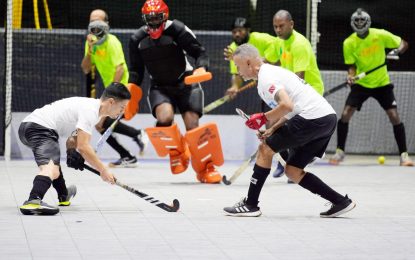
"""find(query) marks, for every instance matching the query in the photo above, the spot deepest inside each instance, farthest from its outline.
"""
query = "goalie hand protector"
(74, 160)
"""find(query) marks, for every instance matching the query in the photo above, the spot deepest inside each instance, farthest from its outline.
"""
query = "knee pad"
(205, 146)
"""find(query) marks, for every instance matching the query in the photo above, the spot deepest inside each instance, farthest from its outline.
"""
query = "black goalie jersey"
(165, 57)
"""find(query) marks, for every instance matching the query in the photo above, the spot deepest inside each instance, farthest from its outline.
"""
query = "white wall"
(238, 142)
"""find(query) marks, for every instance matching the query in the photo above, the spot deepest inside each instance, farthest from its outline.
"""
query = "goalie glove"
(256, 121)
(74, 160)
(393, 55)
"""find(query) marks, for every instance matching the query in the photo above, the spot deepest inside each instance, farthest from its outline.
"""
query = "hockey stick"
(220, 101)
(245, 164)
(107, 134)
(240, 170)
(357, 77)
(164, 206)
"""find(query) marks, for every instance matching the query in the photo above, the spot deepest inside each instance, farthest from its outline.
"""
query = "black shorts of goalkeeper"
(305, 139)
(43, 141)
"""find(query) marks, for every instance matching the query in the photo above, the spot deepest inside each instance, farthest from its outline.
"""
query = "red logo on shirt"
(271, 89)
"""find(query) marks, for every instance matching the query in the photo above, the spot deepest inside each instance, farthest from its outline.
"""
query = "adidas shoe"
(279, 171)
(66, 201)
(405, 160)
(37, 207)
(126, 162)
(241, 209)
(142, 140)
(338, 209)
(337, 157)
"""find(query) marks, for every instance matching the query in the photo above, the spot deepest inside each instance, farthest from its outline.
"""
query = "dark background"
(46, 65)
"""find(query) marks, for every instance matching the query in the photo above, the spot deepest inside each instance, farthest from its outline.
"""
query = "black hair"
(116, 91)
(240, 22)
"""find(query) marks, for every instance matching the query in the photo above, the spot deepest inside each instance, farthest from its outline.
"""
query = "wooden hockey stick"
(174, 208)
(246, 163)
(220, 101)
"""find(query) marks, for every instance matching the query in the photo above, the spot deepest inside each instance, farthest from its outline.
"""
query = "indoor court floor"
(108, 222)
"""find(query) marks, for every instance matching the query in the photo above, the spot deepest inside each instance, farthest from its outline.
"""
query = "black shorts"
(305, 138)
(185, 98)
(43, 141)
(384, 95)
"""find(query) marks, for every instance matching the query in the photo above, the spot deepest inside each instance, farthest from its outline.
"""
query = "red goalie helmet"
(155, 14)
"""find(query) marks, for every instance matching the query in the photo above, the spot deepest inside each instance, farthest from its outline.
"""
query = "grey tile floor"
(107, 222)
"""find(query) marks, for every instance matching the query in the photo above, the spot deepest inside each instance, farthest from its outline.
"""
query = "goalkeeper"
(104, 50)
(160, 47)
(364, 50)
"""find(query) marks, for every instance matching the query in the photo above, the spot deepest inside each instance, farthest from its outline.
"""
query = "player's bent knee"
(265, 151)
(293, 173)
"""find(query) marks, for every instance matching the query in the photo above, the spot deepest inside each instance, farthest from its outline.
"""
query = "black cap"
(240, 22)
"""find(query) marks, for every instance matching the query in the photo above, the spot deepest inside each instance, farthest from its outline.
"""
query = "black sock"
(284, 155)
(317, 186)
(60, 186)
(342, 129)
(126, 130)
(399, 132)
(257, 182)
(41, 184)
(118, 147)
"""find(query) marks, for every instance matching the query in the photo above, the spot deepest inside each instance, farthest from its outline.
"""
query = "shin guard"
(206, 151)
(169, 141)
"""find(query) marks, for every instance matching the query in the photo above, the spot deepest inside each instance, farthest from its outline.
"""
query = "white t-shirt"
(307, 102)
(67, 115)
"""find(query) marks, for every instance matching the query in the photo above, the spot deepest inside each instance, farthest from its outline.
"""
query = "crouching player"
(42, 129)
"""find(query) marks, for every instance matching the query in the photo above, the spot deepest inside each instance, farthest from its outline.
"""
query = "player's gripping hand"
(350, 80)
(74, 160)
(107, 176)
(256, 121)
(228, 53)
(393, 55)
(232, 92)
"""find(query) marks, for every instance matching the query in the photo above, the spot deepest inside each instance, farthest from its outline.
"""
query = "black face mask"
(153, 21)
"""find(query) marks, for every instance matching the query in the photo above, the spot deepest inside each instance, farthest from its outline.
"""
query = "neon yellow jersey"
(297, 55)
(106, 57)
(264, 44)
(369, 53)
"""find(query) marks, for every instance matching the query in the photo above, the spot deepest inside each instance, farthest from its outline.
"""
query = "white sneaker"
(405, 160)
(337, 157)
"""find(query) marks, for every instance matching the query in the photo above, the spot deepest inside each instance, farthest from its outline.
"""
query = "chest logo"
(271, 89)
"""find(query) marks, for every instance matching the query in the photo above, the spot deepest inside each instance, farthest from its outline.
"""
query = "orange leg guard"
(169, 141)
(206, 149)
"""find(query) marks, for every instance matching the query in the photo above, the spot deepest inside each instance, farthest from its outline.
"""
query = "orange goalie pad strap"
(205, 146)
(165, 139)
(133, 105)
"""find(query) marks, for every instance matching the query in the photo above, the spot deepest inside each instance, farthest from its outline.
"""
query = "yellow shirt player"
(108, 58)
(363, 51)
(104, 51)
(295, 51)
(263, 42)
